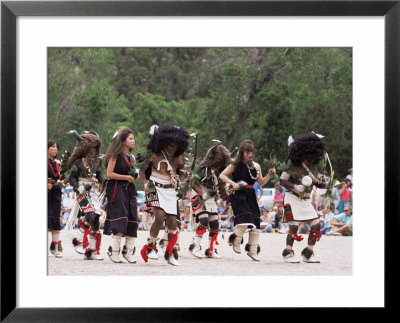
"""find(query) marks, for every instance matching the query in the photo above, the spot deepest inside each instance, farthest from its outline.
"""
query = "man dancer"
(82, 170)
(162, 169)
(205, 189)
(306, 153)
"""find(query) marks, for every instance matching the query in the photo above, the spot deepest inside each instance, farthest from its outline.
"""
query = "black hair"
(51, 142)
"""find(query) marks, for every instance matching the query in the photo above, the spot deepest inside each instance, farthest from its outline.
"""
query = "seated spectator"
(346, 196)
(279, 196)
(342, 223)
(65, 217)
(266, 221)
(304, 228)
(278, 220)
(231, 219)
(185, 219)
(68, 190)
(272, 215)
(336, 196)
(259, 193)
(328, 215)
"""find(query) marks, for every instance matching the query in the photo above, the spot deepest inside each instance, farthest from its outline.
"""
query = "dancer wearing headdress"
(160, 174)
(205, 190)
(245, 172)
(306, 152)
(54, 198)
(82, 170)
(122, 216)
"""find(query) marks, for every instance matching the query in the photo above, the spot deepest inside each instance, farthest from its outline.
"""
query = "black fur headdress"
(88, 145)
(307, 146)
(217, 157)
(167, 134)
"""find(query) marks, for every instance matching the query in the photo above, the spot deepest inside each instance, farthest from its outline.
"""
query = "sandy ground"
(334, 252)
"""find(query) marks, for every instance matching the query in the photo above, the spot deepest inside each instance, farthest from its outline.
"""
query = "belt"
(249, 186)
(305, 195)
(163, 185)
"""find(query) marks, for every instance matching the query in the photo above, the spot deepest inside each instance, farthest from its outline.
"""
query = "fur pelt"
(306, 147)
(217, 157)
(88, 148)
(167, 134)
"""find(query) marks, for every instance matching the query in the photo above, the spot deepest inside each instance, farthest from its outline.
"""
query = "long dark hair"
(117, 144)
(246, 145)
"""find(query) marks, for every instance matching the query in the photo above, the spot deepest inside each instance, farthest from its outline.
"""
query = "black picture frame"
(10, 10)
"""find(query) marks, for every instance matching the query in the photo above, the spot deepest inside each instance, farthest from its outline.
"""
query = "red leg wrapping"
(213, 239)
(144, 251)
(295, 236)
(171, 243)
(200, 230)
(85, 238)
(316, 237)
(98, 242)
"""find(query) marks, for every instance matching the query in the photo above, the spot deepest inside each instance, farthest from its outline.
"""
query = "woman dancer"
(53, 198)
(122, 218)
(245, 172)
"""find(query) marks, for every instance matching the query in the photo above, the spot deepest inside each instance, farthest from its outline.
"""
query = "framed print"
(32, 30)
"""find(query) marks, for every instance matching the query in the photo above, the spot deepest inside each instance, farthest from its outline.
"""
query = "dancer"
(245, 172)
(305, 155)
(162, 168)
(82, 170)
(204, 192)
(122, 218)
(54, 198)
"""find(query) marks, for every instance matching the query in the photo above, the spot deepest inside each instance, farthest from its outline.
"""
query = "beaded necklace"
(250, 169)
(57, 172)
(128, 160)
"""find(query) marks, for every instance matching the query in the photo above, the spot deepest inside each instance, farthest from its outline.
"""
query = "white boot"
(54, 249)
(153, 254)
(288, 256)
(308, 256)
(91, 252)
(196, 251)
(214, 254)
(311, 260)
(114, 249)
(237, 239)
(254, 237)
(173, 259)
(129, 250)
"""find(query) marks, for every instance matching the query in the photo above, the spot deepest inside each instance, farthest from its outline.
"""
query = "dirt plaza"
(334, 252)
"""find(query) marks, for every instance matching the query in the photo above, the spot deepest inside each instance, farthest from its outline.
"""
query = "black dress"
(244, 201)
(53, 197)
(122, 204)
